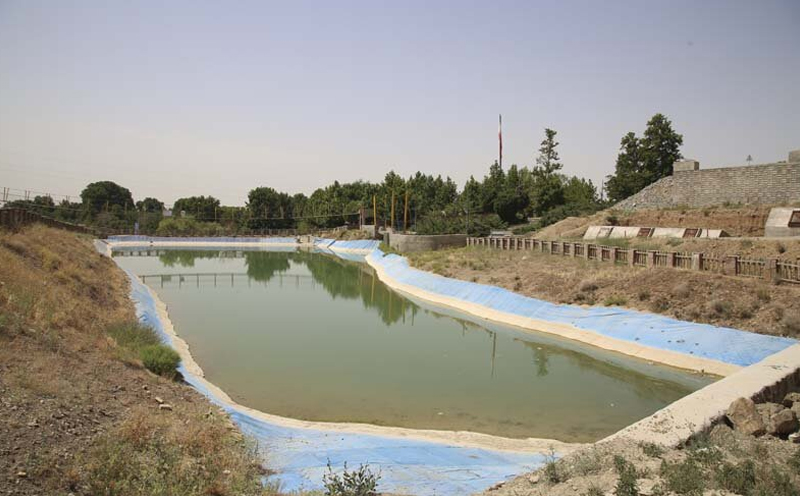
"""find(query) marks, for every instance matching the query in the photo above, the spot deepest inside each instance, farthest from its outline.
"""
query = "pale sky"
(194, 97)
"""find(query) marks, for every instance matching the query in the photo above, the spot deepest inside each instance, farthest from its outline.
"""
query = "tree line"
(528, 197)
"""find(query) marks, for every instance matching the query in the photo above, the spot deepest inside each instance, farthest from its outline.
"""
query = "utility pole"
(405, 214)
(393, 224)
(375, 215)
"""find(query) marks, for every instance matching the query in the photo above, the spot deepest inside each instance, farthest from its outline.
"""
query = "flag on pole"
(500, 138)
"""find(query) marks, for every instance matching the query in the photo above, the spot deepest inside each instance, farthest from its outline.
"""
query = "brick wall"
(768, 184)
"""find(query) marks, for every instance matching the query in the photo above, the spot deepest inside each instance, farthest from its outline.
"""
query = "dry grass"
(78, 412)
(710, 464)
(748, 304)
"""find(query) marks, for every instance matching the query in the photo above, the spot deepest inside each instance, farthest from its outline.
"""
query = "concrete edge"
(677, 422)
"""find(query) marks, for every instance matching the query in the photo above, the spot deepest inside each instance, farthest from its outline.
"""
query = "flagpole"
(500, 140)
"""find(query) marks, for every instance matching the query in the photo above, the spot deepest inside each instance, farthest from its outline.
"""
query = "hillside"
(737, 221)
(80, 415)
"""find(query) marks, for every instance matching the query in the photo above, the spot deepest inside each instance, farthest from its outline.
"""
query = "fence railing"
(15, 218)
(772, 269)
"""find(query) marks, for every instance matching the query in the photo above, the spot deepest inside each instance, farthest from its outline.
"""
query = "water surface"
(310, 336)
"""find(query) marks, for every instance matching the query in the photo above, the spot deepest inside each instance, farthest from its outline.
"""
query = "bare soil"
(75, 418)
(741, 303)
(736, 221)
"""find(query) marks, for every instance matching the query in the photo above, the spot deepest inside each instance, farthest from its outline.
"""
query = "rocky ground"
(748, 304)
(752, 452)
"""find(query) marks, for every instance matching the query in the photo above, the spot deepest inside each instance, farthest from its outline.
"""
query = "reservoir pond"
(316, 337)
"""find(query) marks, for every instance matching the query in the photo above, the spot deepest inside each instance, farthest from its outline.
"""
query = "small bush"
(794, 461)
(683, 290)
(721, 308)
(763, 295)
(626, 484)
(791, 322)
(594, 491)
(161, 359)
(643, 295)
(683, 478)
(659, 305)
(133, 335)
(360, 482)
(775, 483)
(615, 301)
(552, 473)
(652, 450)
(587, 287)
(739, 479)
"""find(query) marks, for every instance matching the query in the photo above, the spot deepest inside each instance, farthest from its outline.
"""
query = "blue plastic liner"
(703, 340)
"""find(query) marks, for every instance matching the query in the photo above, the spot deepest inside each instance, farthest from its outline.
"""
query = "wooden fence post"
(771, 269)
(671, 259)
(697, 261)
(651, 259)
(730, 265)
(632, 257)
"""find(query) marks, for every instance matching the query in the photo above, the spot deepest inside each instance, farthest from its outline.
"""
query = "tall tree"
(644, 161)
(104, 195)
(627, 178)
(546, 190)
(203, 208)
(660, 148)
(150, 205)
(548, 159)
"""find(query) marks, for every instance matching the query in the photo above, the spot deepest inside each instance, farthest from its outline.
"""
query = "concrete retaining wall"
(778, 223)
(406, 243)
(768, 184)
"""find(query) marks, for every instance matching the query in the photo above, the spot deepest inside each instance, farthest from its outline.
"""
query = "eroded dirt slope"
(75, 418)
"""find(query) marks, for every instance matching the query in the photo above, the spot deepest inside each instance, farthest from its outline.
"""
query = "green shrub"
(626, 484)
(720, 307)
(133, 335)
(652, 450)
(476, 225)
(552, 473)
(739, 478)
(360, 482)
(775, 483)
(794, 461)
(615, 301)
(684, 477)
(161, 359)
(594, 491)
(172, 226)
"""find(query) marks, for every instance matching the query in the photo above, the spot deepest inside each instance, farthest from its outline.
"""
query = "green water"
(313, 337)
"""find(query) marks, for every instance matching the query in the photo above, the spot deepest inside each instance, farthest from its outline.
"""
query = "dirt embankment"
(76, 415)
(724, 462)
(741, 303)
(736, 221)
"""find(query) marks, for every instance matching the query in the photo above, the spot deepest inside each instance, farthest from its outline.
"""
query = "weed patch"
(359, 482)
(161, 359)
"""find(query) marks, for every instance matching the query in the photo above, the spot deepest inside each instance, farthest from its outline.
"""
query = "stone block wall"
(768, 184)
(406, 243)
